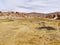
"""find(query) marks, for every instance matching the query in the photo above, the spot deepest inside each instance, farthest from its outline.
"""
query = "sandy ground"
(29, 32)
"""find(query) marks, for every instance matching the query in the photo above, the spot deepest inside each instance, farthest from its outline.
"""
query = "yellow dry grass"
(32, 31)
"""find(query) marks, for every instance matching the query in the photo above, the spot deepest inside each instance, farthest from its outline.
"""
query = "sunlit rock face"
(55, 15)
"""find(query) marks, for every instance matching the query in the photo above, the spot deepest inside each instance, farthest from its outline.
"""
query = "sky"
(40, 6)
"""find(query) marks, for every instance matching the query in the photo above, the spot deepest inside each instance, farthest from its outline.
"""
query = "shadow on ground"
(47, 27)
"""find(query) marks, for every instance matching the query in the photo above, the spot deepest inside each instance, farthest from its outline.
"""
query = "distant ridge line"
(28, 15)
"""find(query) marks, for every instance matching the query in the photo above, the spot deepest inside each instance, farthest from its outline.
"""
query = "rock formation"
(55, 15)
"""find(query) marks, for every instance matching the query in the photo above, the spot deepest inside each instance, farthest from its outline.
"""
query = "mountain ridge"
(29, 15)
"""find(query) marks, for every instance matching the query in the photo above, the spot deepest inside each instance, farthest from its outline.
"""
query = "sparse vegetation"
(28, 31)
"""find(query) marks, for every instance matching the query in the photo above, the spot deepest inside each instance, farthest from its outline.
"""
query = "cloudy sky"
(42, 6)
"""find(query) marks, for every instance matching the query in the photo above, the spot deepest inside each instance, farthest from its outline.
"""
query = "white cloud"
(30, 5)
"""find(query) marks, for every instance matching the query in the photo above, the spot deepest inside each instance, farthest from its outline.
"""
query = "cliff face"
(28, 15)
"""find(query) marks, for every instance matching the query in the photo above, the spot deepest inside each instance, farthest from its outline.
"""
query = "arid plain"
(29, 31)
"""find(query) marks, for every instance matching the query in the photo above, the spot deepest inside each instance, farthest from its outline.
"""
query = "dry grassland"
(32, 31)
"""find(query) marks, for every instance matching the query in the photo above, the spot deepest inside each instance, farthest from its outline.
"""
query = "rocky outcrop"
(28, 15)
(55, 15)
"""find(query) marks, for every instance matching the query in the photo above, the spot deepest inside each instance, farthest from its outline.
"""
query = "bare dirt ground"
(29, 32)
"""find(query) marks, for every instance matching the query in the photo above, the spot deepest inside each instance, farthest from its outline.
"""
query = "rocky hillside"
(28, 15)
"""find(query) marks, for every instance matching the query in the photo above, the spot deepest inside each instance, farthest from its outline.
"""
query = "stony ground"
(29, 32)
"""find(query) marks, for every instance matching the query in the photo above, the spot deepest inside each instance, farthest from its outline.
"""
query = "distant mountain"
(29, 15)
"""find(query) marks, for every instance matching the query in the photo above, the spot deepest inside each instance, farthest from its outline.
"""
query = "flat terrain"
(32, 31)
